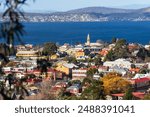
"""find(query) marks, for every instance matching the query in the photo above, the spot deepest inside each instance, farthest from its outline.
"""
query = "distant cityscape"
(91, 14)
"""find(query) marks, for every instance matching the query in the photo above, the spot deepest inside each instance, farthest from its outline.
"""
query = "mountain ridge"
(91, 14)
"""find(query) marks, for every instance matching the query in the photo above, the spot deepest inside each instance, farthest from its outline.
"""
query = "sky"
(64, 5)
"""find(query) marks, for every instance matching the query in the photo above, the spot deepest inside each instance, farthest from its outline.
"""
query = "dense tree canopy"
(143, 54)
(114, 83)
(119, 51)
(91, 72)
(93, 89)
(11, 29)
(98, 60)
(70, 59)
(49, 48)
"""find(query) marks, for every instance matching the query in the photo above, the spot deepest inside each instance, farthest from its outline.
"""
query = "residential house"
(54, 57)
(132, 47)
(66, 68)
(134, 70)
(19, 75)
(79, 47)
(140, 82)
(51, 74)
(61, 84)
(7, 69)
(110, 46)
(80, 55)
(147, 47)
(104, 52)
(73, 89)
(28, 54)
(140, 65)
(103, 69)
(137, 76)
(79, 74)
(64, 48)
(119, 62)
(119, 70)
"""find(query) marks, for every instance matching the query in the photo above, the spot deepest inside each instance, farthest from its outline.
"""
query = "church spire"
(88, 39)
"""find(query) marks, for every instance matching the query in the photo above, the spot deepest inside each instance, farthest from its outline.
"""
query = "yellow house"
(62, 68)
(27, 54)
(53, 57)
(79, 54)
(65, 68)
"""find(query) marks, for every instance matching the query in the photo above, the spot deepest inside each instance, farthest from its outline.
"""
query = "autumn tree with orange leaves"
(114, 83)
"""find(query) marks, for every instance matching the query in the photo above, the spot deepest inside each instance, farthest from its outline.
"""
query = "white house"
(79, 74)
(119, 70)
(7, 69)
(141, 76)
(119, 62)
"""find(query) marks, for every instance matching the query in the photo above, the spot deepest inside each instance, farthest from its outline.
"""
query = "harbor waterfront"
(73, 32)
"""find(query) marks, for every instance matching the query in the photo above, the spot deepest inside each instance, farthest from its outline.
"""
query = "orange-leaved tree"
(114, 83)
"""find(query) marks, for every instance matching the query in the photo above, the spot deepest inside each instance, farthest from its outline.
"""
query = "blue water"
(38, 33)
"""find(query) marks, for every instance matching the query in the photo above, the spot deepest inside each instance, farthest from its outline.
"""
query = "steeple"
(88, 39)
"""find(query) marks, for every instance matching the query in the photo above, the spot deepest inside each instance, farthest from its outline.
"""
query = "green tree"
(70, 59)
(93, 90)
(114, 40)
(144, 70)
(91, 72)
(49, 48)
(12, 29)
(11, 93)
(128, 94)
(133, 66)
(43, 65)
(98, 61)
(110, 56)
(119, 51)
(143, 54)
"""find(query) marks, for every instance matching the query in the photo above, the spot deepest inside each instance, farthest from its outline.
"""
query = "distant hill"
(144, 10)
(91, 14)
(102, 10)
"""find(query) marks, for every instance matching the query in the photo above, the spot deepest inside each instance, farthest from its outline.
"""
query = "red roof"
(118, 95)
(141, 80)
(80, 51)
(139, 95)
